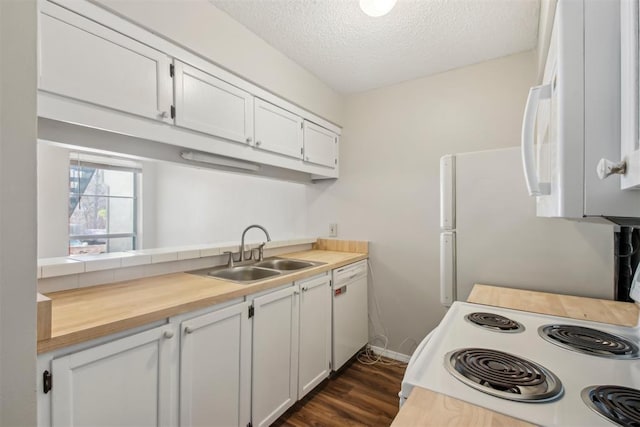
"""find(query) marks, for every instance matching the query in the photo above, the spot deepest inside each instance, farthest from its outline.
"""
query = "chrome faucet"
(242, 241)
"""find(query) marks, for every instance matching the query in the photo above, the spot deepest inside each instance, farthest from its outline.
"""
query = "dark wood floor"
(361, 395)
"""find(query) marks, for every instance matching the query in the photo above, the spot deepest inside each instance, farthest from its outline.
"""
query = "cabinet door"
(121, 383)
(275, 355)
(81, 59)
(320, 145)
(630, 99)
(315, 333)
(215, 368)
(277, 130)
(207, 104)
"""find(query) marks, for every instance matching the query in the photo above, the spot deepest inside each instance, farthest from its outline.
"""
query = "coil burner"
(589, 341)
(494, 322)
(618, 404)
(503, 375)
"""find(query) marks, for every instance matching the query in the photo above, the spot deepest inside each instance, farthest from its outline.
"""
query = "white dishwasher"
(350, 322)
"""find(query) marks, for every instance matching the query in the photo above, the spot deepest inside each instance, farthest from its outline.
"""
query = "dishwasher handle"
(340, 291)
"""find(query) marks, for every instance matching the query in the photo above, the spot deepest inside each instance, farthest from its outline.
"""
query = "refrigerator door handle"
(447, 268)
(535, 187)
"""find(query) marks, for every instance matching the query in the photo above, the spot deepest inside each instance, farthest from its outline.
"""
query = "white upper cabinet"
(320, 145)
(630, 99)
(86, 61)
(215, 368)
(121, 383)
(277, 130)
(207, 104)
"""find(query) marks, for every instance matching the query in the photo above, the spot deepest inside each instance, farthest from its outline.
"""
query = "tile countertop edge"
(108, 327)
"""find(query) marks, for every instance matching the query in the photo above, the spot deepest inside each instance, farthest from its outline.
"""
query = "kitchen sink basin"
(244, 274)
(285, 264)
(247, 274)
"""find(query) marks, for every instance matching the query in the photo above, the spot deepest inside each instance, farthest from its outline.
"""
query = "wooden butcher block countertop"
(80, 315)
(426, 408)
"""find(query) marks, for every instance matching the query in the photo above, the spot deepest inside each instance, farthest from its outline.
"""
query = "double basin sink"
(247, 274)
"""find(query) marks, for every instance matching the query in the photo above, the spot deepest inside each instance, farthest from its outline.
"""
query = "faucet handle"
(261, 251)
(230, 261)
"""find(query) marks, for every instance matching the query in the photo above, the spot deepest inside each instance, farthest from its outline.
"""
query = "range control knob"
(607, 168)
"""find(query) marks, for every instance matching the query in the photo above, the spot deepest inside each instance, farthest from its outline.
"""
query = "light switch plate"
(333, 230)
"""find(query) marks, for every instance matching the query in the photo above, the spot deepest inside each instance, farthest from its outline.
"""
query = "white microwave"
(572, 121)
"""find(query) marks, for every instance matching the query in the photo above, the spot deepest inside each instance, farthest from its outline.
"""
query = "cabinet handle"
(189, 330)
(249, 139)
(168, 334)
(304, 289)
(258, 143)
(296, 293)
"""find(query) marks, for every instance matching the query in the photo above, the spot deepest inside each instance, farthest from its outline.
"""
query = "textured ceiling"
(353, 52)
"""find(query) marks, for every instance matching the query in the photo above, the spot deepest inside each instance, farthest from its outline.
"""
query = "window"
(103, 204)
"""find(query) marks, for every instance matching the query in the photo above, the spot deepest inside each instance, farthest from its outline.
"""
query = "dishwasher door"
(350, 312)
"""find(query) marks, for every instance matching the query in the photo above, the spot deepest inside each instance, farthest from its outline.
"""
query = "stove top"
(590, 341)
(572, 372)
(494, 322)
(503, 375)
(619, 404)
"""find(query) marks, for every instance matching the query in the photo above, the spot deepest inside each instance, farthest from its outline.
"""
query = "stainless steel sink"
(248, 274)
(244, 274)
(285, 264)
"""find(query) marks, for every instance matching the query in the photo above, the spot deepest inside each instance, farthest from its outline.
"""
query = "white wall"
(53, 205)
(204, 29)
(18, 213)
(388, 191)
(181, 205)
(204, 206)
(545, 25)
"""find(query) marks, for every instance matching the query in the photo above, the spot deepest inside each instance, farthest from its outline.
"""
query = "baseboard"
(390, 354)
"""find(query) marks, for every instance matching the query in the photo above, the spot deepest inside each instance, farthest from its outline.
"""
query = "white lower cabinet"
(315, 333)
(126, 382)
(215, 368)
(275, 355)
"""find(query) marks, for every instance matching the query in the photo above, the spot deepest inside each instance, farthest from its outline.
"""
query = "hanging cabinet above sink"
(99, 71)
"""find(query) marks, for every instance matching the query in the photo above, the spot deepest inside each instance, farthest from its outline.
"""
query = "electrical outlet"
(333, 230)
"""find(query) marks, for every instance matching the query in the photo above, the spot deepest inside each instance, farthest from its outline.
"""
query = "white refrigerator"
(490, 234)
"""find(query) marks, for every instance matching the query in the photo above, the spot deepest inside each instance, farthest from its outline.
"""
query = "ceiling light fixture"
(377, 8)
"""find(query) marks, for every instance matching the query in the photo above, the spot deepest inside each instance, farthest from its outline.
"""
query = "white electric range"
(565, 371)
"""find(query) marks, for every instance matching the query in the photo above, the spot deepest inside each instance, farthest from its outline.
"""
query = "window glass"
(102, 207)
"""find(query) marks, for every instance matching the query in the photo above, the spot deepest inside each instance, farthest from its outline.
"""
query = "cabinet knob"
(249, 139)
(188, 330)
(607, 168)
(168, 334)
(258, 143)
(296, 293)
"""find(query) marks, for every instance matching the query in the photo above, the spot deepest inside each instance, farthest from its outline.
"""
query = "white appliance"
(572, 121)
(350, 312)
(575, 371)
(491, 234)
